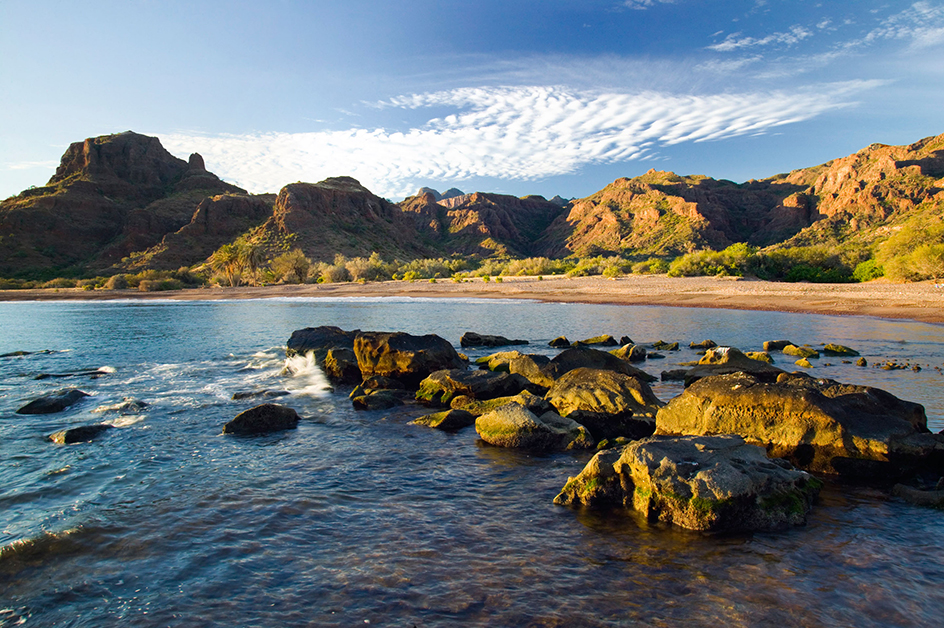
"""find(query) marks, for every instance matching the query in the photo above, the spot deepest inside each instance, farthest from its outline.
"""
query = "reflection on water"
(358, 517)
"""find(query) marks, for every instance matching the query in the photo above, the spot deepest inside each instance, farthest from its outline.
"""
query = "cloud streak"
(522, 133)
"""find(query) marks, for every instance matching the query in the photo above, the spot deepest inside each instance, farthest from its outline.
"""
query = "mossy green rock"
(801, 352)
(603, 391)
(440, 387)
(706, 483)
(839, 350)
(450, 420)
(478, 407)
(605, 340)
(662, 345)
(804, 363)
(760, 356)
(631, 353)
(513, 425)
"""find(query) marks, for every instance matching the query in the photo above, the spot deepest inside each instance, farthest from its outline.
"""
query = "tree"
(228, 261)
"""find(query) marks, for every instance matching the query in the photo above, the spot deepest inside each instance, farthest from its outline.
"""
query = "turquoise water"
(359, 517)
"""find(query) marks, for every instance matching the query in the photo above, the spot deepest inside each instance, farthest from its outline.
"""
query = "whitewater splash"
(306, 377)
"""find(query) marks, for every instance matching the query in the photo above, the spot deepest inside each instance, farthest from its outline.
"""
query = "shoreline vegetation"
(917, 301)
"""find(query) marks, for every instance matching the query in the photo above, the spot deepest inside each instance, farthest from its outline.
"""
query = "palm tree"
(228, 261)
(252, 256)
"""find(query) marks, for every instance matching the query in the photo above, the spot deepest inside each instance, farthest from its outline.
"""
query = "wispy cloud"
(643, 4)
(922, 24)
(734, 41)
(522, 133)
(29, 165)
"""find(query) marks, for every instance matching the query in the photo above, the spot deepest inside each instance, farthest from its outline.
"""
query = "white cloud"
(922, 23)
(644, 4)
(29, 165)
(735, 42)
(522, 133)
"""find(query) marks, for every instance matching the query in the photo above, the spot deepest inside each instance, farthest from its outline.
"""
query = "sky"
(549, 97)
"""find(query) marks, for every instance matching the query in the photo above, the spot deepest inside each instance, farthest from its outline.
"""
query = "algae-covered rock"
(376, 400)
(706, 483)
(404, 357)
(862, 362)
(631, 353)
(478, 407)
(585, 357)
(662, 345)
(268, 417)
(500, 361)
(449, 420)
(818, 424)
(560, 342)
(340, 365)
(801, 352)
(804, 363)
(839, 350)
(704, 344)
(723, 360)
(776, 345)
(603, 391)
(605, 340)
(513, 425)
(760, 356)
(440, 387)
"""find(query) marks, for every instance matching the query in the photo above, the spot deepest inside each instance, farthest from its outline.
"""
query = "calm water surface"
(360, 519)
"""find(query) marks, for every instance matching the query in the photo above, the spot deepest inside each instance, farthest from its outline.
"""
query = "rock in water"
(839, 350)
(81, 434)
(818, 424)
(404, 357)
(56, 402)
(440, 387)
(319, 340)
(724, 360)
(472, 339)
(603, 391)
(340, 365)
(450, 420)
(513, 425)
(263, 419)
(706, 483)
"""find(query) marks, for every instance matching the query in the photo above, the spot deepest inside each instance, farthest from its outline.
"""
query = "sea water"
(357, 518)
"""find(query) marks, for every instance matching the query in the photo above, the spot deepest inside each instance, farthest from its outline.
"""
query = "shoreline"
(922, 302)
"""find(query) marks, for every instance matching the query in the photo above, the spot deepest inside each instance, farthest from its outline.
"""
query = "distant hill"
(122, 202)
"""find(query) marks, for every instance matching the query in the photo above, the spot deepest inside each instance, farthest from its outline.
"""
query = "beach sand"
(922, 301)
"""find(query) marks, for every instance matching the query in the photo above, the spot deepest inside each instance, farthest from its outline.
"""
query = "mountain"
(110, 196)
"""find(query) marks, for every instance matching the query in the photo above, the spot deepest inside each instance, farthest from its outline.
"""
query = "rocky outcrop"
(706, 483)
(319, 340)
(263, 419)
(818, 424)
(513, 425)
(472, 339)
(340, 365)
(609, 393)
(725, 360)
(81, 434)
(54, 402)
(404, 357)
(442, 386)
(478, 407)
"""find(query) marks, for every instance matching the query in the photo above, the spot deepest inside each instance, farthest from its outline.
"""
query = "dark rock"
(631, 353)
(376, 400)
(263, 419)
(584, 357)
(818, 424)
(560, 342)
(626, 340)
(707, 483)
(478, 407)
(90, 373)
(440, 387)
(605, 340)
(626, 425)
(404, 357)
(724, 360)
(378, 382)
(776, 345)
(55, 402)
(195, 163)
(129, 405)
(839, 350)
(513, 425)
(81, 434)
(340, 365)
(450, 420)
(472, 339)
(252, 394)
(862, 362)
(704, 344)
(933, 498)
(319, 340)
(662, 345)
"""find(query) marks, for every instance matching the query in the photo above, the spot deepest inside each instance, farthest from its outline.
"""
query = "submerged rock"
(818, 424)
(55, 402)
(706, 483)
(404, 357)
(129, 405)
(513, 425)
(381, 399)
(252, 394)
(81, 434)
(449, 420)
(839, 350)
(263, 419)
(472, 339)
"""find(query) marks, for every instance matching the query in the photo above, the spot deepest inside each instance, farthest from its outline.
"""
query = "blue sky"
(545, 97)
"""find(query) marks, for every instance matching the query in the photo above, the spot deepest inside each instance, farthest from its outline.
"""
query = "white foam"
(306, 377)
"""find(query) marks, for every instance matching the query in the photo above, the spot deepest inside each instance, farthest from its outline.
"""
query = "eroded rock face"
(513, 425)
(442, 386)
(706, 483)
(404, 357)
(818, 424)
(263, 419)
(55, 402)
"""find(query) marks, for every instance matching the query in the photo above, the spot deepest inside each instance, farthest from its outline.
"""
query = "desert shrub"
(291, 267)
(60, 282)
(915, 253)
(531, 266)
(158, 285)
(736, 260)
(867, 271)
(426, 269)
(334, 273)
(804, 263)
(651, 266)
(116, 282)
(491, 266)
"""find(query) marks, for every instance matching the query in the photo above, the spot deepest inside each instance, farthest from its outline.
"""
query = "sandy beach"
(915, 301)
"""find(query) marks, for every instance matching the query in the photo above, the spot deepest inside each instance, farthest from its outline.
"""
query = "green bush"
(867, 271)
(652, 266)
(159, 285)
(117, 282)
(736, 260)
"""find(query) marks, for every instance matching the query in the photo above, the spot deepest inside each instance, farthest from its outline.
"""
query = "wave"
(306, 377)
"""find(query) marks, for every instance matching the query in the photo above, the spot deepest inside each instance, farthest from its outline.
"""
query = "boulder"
(804, 363)
(55, 402)
(662, 345)
(933, 498)
(818, 424)
(705, 483)
(531, 367)
(263, 419)
(776, 345)
(513, 425)
(800, 352)
(560, 342)
(81, 434)
(128, 405)
(319, 340)
(839, 350)
(450, 420)
(605, 340)
(861, 362)
(472, 339)
(603, 391)
(704, 344)
(631, 353)
(376, 400)
(440, 387)
(625, 340)
(404, 357)
(340, 365)
(585, 357)
(723, 360)
(478, 407)
(760, 356)
(499, 361)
